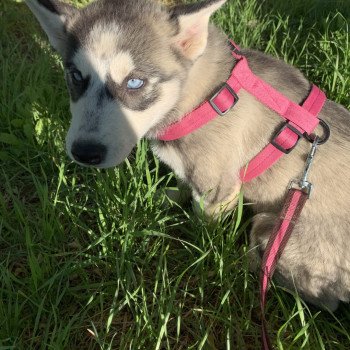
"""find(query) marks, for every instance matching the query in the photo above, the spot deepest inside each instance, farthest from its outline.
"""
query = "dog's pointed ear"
(193, 21)
(53, 16)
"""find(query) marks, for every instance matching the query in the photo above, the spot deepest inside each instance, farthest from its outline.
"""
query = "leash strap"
(298, 193)
(290, 213)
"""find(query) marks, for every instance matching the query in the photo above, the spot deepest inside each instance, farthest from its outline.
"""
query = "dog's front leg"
(179, 195)
(212, 206)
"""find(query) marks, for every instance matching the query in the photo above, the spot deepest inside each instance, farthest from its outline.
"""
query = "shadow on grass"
(31, 120)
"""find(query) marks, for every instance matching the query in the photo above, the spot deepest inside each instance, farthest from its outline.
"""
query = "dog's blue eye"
(76, 76)
(134, 84)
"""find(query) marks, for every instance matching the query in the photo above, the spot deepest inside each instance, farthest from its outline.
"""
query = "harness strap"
(289, 215)
(272, 98)
(285, 140)
(219, 104)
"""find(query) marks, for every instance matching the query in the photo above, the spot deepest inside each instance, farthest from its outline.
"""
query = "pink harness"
(301, 121)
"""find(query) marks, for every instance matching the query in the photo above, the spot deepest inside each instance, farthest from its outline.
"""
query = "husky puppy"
(135, 67)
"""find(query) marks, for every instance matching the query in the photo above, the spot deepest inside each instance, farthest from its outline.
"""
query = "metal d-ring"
(321, 139)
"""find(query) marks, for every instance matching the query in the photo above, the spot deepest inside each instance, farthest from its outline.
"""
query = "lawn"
(95, 259)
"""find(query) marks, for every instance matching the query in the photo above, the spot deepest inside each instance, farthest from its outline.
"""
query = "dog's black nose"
(89, 153)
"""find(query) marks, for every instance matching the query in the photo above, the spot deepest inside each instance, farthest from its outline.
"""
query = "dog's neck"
(205, 76)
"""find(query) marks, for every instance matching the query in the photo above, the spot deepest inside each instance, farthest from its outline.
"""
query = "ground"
(98, 259)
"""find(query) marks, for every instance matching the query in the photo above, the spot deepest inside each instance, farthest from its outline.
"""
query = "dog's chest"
(171, 157)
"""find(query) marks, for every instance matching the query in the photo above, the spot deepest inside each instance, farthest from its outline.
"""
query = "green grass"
(99, 259)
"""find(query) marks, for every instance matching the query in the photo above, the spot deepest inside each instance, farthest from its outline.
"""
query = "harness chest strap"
(284, 141)
(300, 120)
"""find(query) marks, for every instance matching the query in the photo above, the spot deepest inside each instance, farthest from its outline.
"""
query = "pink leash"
(291, 211)
(300, 121)
(298, 193)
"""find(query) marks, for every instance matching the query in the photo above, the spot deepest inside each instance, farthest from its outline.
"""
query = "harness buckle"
(235, 48)
(279, 132)
(215, 106)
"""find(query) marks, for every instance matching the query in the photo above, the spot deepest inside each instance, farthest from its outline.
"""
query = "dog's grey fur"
(185, 60)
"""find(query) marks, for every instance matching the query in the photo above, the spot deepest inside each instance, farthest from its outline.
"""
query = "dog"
(135, 67)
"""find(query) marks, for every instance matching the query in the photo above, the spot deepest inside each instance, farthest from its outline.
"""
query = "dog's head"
(125, 64)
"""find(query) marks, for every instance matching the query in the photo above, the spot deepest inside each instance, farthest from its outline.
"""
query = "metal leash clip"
(303, 184)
